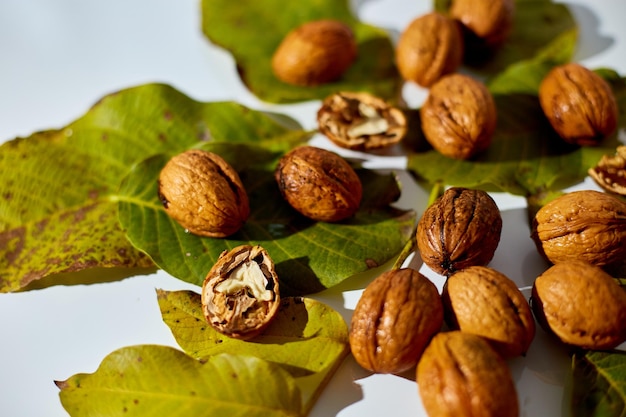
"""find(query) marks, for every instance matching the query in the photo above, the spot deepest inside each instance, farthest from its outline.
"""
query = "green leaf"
(58, 208)
(155, 381)
(267, 22)
(309, 256)
(307, 338)
(599, 384)
(526, 156)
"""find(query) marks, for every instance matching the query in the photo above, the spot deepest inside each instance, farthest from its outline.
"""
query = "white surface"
(58, 57)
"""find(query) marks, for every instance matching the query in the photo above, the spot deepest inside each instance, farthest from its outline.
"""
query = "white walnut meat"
(361, 121)
(240, 294)
(204, 194)
(610, 172)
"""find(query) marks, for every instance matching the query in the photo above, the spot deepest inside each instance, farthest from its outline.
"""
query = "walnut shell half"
(460, 229)
(360, 121)
(610, 172)
(240, 294)
(204, 194)
(395, 318)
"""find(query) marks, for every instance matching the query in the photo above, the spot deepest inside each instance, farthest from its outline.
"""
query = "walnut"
(461, 229)
(395, 318)
(582, 225)
(610, 172)
(485, 302)
(360, 121)
(487, 24)
(319, 184)
(430, 47)
(579, 104)
(461, 375)
(581, 305)
(204, 194)
(459, 116)
(314, 53)
(240, 294)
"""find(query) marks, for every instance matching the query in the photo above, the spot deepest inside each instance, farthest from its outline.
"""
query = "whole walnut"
(240, 294)
(460, 229)
(584, 225)
(361, 121)
(485, 302)
(314, 53)
(319, 184)
(395, 318)
(430, 47)
(579, 104)
(459, 116)
(461, 375)
(487, 23)
(203, 193)
(581, 305)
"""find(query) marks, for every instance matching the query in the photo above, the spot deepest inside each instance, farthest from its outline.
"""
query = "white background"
(58, 57)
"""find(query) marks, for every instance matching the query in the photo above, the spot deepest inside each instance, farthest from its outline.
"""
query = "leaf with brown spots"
(58, 201)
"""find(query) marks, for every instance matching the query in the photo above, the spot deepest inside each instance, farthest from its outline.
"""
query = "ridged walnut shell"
(430, 47)
(204, 194)
(582, 225)
(581, 304)
(459, 116)
(461, 375)
(240, 294)
(488, 23)
(610, 172)
(485, 302)
(460, 229)
(314, 53)
(361, 121)
(319, 184)
(395, 318)
(579, 104)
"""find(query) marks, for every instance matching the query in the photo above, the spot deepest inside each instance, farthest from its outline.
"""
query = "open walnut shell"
(361, 121)
(610, 172)
(240, 294)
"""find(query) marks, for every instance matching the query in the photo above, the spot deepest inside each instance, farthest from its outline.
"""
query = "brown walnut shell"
(461, 375)
(579, 104)
(487, 23)
(204, 194)
(582, 225)
(314, 53)
(459, 116)
(460, 229)
(395, 318)
(581, 305)
(240, 294)
(319, 184)
(610, 172)
(360, 121)
(485, 302)
(430, 47)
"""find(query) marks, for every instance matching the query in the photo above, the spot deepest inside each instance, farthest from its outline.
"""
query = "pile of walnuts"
(457, 341)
